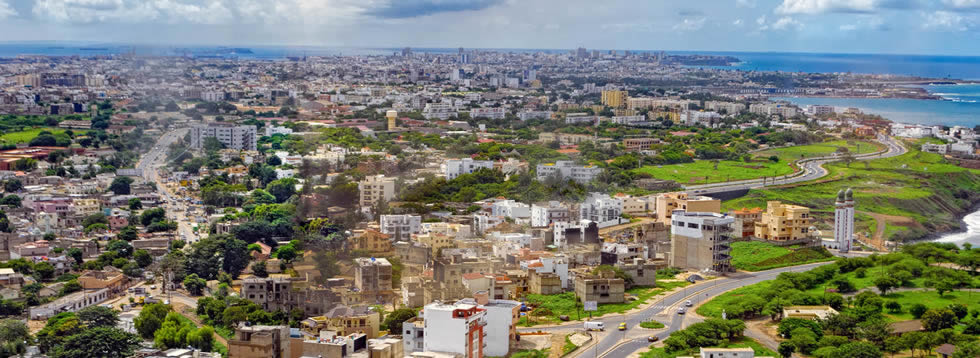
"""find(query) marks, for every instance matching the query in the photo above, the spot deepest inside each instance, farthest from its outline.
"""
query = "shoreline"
(964, 227)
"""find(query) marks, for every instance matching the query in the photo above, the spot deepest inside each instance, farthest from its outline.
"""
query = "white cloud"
(850, 27)
(691, 24)
(761, 20)
(5, 10)
(962, 4)
(789, 7)
(737, 22)
(745, 3)
(946, 21)
(195, 11)
(787, 23)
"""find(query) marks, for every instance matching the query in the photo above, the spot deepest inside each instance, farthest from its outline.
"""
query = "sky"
(940, 27)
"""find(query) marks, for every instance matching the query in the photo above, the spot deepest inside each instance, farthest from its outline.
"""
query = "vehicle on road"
(681, 310)
(622, 326)
(594, 326)
(688, 303)
(653, 339)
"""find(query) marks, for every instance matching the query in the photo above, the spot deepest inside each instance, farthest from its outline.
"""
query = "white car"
(688, 303)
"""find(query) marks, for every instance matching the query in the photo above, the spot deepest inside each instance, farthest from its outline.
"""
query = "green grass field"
(742, 342)
(758, 256)
(819, 150)
(26, 136)
(565, 304)
(917, 185)
(703, 171)
(652, 325)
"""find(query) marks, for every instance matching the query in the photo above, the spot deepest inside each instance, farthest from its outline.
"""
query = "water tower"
(391, 115)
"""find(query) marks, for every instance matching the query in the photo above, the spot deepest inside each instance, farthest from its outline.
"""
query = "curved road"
(619, 344)
(812, 170)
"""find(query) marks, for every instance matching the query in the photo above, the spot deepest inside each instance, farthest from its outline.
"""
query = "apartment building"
(602, 209)
(502, 317)
(455, 328)
(783, 222)
(374, 189)
(639, 206)
(701, 241)
(260, 342)
(344, 320)
(372, 241)
(745, 220)
(667, 203)
(511, 209)
(728, 107)
(490, 113)
(242, 137)
(614, 99)
(456, 167)
(639, 144)
(278, 293)
(549, 213)
(440, 111)
(567, 170)
(401, 227)
(372, 274)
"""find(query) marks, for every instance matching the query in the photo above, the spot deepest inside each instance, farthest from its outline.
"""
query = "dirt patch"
(752, 166)
(878, 238)
(542, 341)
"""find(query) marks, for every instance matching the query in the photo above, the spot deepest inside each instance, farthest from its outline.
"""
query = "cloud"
(690, 12)
(737, 22)
(745, 3)
(401, 9)
(209, 12)
(6, 10)
(793, 7)
(962, 5)
(787, 23)
(690, 24)
(946, 21)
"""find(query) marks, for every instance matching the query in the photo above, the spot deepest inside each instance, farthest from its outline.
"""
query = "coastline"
(964, 227)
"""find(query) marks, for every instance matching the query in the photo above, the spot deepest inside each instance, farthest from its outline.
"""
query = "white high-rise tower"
(844, 220)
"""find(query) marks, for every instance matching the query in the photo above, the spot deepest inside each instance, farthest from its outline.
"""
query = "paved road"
(150, 165)
(665, 311)
(812, 169)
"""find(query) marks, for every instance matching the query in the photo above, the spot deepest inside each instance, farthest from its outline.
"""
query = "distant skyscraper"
(407, 51)
(464, 58)
(582, 53)
(460, 50)
(844, 220)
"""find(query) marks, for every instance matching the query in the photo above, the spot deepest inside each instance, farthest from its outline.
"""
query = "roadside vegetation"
(548, 308)
(715, 333)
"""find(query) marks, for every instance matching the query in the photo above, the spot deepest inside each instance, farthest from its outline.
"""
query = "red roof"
(473, 276)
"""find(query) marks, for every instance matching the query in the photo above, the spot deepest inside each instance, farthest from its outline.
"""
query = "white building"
(602, 209)
(454, 328)
(911, 131)
(374, 189)
(501, 330)
(819, 110)
(511, 209)
(533, 115)
(213, 96)
(456, 167)
(565, 170)
(554, 211)
(698, 117)
(727, 353)
(575, 118)
(440, 111)
(233, 137)
(557, 265)
(270, 130)
(843, 222)
(401, 227)
(627, 119)
(491, 113)
(728, 107)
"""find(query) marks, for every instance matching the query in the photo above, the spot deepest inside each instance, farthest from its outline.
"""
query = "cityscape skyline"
(947, 27)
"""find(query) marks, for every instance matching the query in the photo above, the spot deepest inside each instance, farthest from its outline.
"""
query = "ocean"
(961, 106)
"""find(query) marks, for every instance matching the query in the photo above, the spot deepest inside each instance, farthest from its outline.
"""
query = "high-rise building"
(614, 99)
(701, 241)
(401, 227)
(668, 202)
(242, 137)
(374, 189)
(843, 221)
(372, 274)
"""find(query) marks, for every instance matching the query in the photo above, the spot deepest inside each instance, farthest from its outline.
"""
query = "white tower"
(844, 220)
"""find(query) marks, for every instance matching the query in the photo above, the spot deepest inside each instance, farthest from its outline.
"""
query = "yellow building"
(668, 202)
(435, 241)
(783, 222)
(615, 99)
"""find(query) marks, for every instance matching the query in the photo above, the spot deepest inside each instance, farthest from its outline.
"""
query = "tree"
(937, 319)
(5, 223)
(202, 338)
(894, 307)
(127, 233)
(13, 185)
(98, 342)
(917, 310)
(804, 340)
(286, 253)
(786, 349)
(44, 271)
(121, 185)
(12, 201)
(13, 334)
(959, 309)
(97, 218)
(858, 350)
(142, 258)
(150, 319)
(885, 283)
(258, 269)
(232, 315)
(394, 321)
(76, 254)
(98, 316)
(135, 204)
(282, 189)
(150, 216)
(194, 284)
